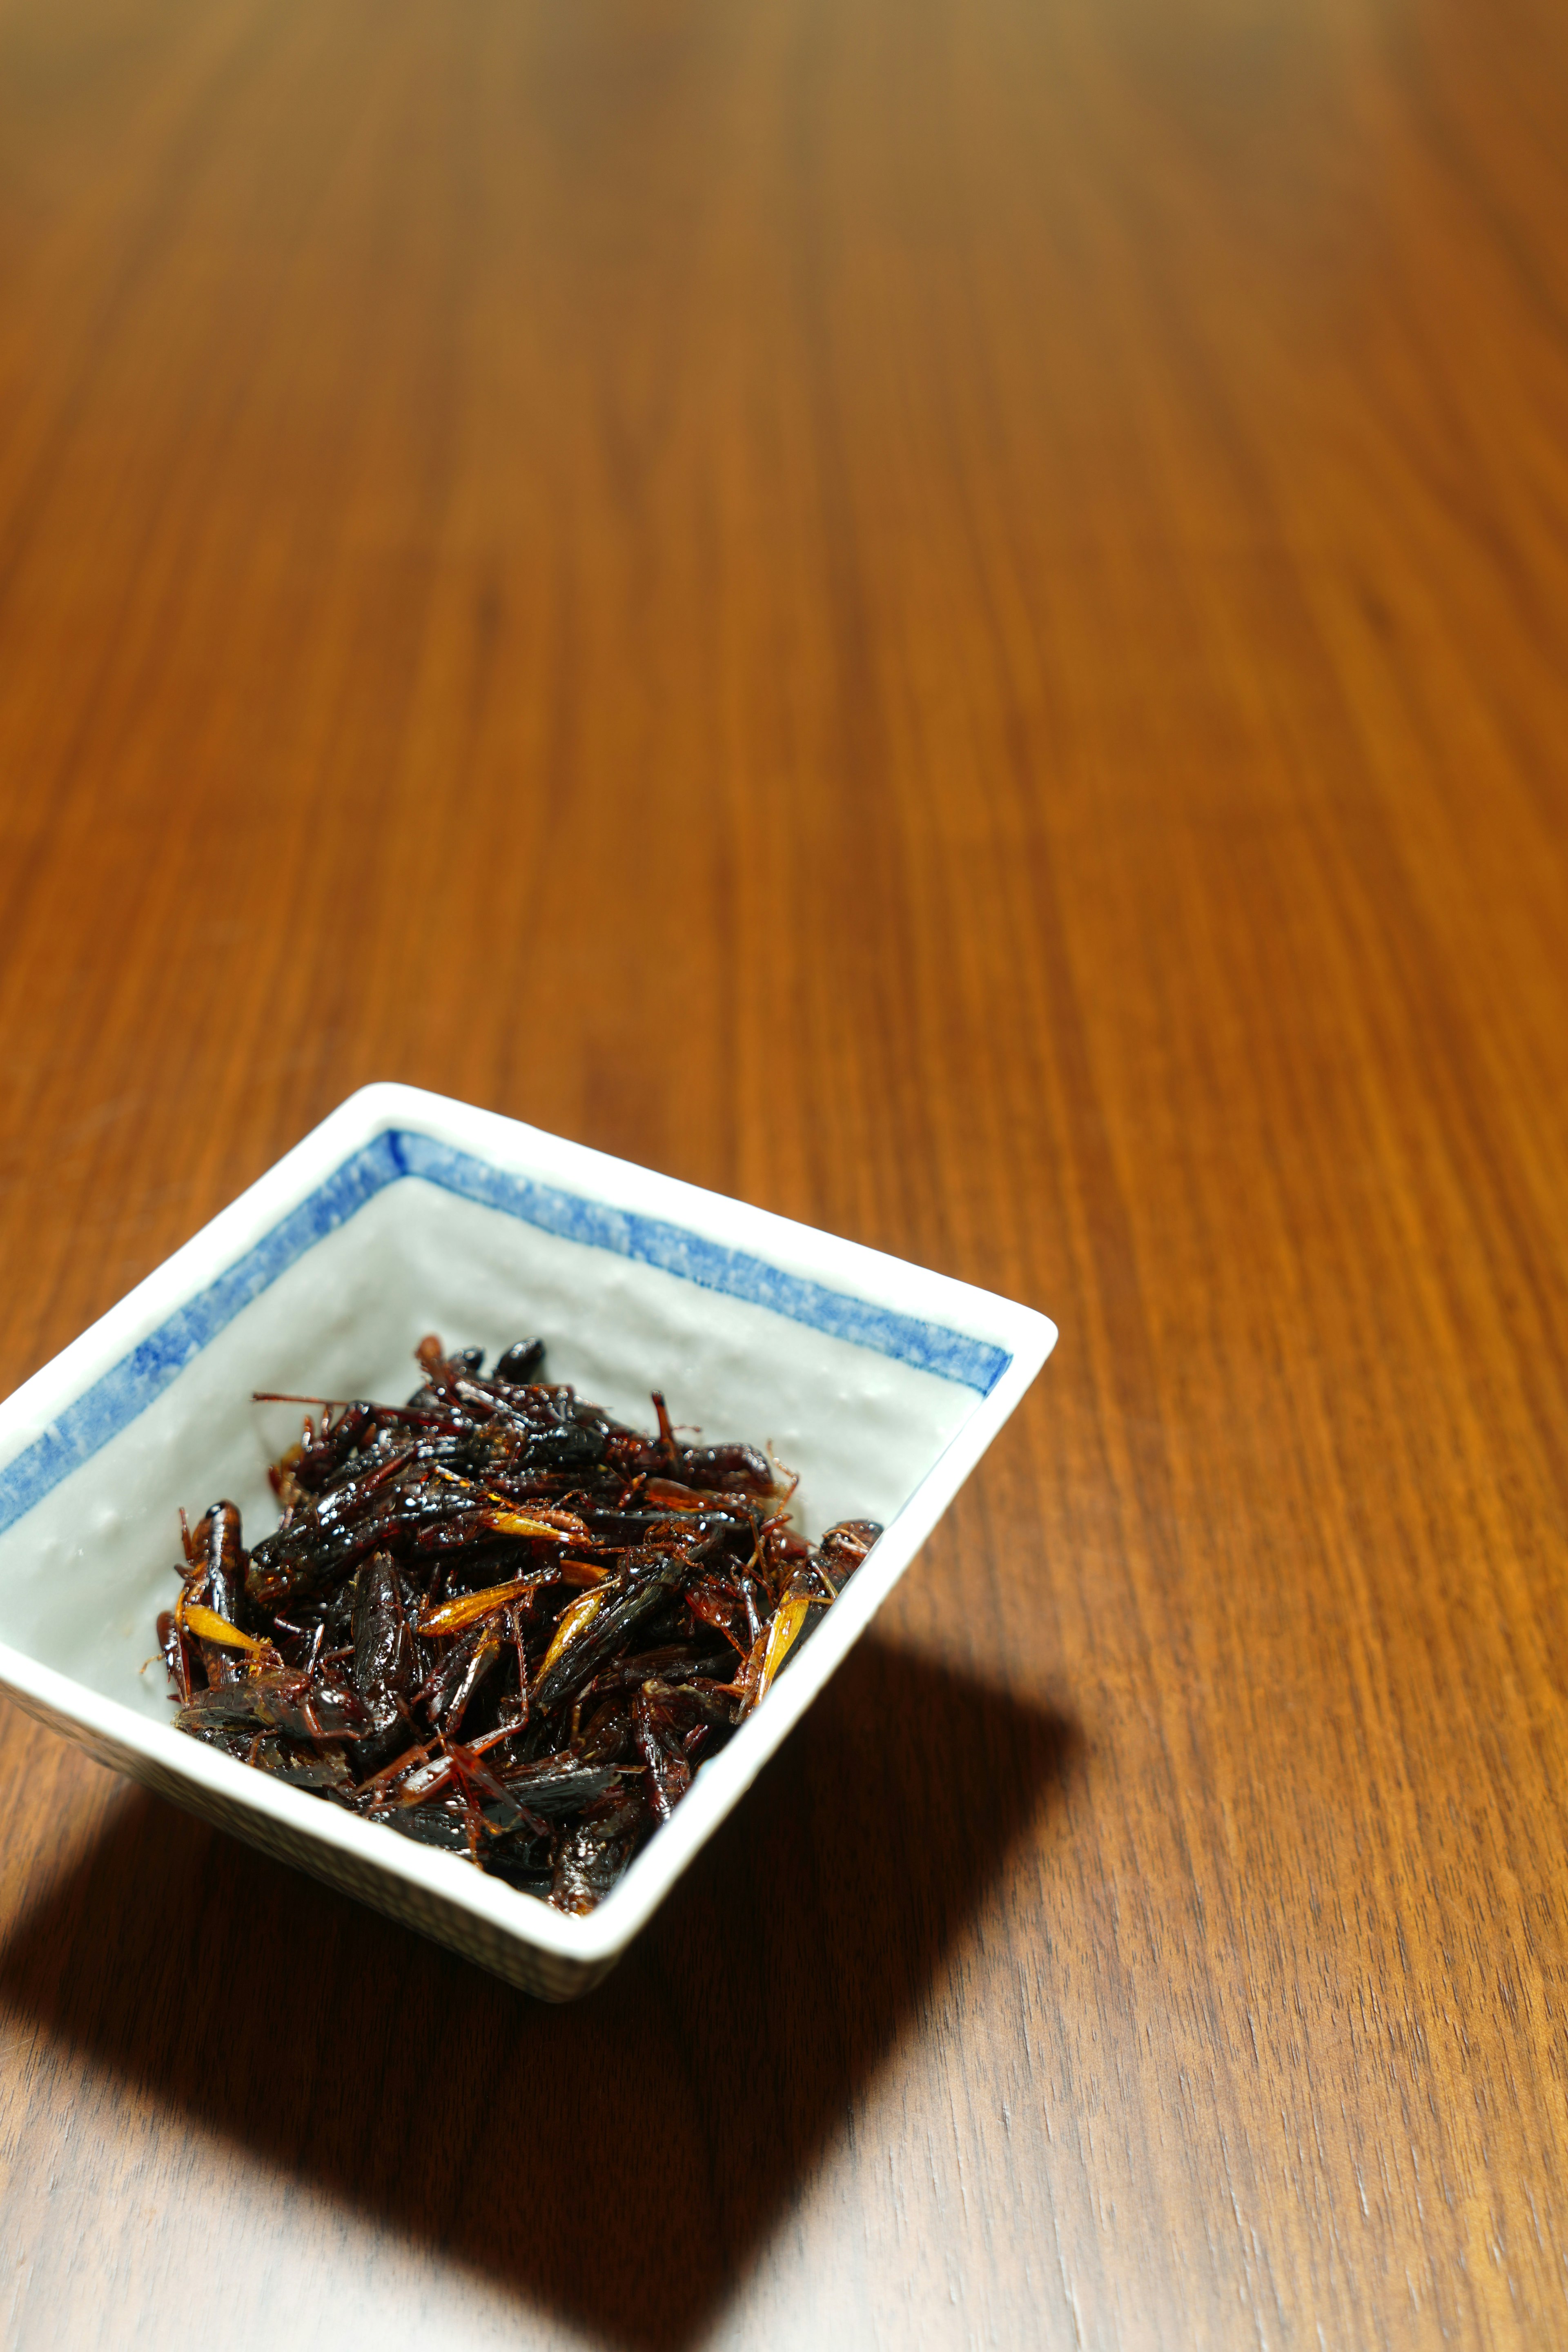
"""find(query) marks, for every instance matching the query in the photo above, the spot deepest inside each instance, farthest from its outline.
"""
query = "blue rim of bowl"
(115, 1399)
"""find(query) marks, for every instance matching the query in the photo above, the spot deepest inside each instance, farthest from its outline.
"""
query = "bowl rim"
(799, 1251)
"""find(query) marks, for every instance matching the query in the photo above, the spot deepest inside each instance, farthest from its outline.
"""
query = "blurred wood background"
(951, 615)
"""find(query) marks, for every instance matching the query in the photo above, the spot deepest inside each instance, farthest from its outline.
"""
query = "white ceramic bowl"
(882, 1383)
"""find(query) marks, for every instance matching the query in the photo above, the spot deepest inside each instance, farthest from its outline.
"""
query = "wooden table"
(952, 617)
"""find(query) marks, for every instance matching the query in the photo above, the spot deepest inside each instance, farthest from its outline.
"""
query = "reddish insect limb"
(514, 1621)
(391, 1773)
(715, 1605)
(171, 1641)
(414, 1412)
(285, 1396)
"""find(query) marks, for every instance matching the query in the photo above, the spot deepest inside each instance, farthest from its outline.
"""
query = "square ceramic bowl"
(880, 1383)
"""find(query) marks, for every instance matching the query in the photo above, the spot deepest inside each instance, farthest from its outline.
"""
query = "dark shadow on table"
(618, 2162)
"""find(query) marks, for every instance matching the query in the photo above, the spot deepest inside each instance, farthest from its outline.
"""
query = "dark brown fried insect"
(497, 1620)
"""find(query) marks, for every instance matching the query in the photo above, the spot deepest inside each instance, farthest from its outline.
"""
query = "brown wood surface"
(951, 615)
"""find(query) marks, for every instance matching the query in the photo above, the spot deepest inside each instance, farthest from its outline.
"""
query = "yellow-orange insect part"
(574, 1620)
(451, 1615)
(208, 1626)
(466, 1608)
(788, 1618)
(519, 1523)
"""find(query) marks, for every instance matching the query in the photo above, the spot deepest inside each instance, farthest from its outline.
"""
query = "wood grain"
(952, 618)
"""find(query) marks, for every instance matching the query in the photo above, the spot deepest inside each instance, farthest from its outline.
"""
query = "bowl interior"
(86, 1565)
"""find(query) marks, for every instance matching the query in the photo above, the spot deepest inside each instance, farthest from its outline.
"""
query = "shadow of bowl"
(620, 2161)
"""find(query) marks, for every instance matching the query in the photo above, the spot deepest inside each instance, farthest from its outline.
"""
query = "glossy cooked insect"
(498, 1620)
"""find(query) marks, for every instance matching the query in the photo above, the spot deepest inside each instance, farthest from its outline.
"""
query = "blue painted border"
(111, 1403)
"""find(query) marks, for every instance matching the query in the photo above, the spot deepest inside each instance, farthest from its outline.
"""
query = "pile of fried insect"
(497, 1620)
